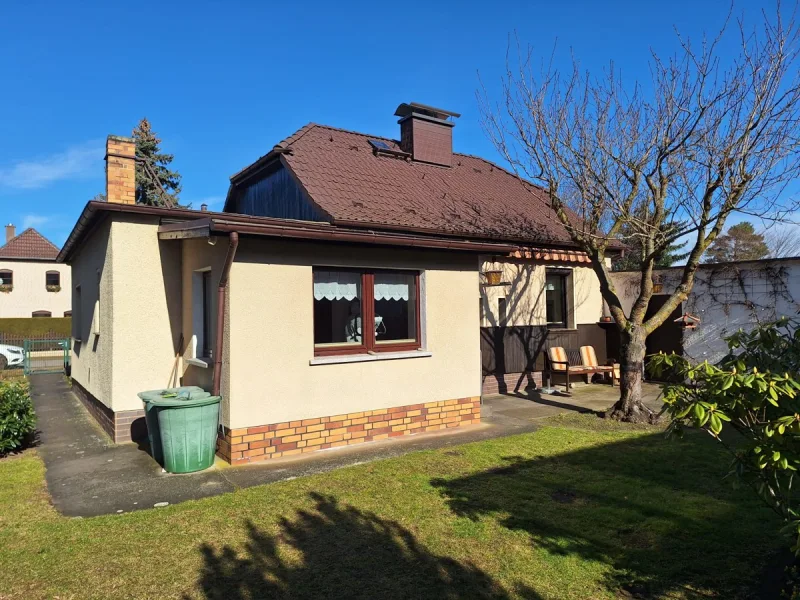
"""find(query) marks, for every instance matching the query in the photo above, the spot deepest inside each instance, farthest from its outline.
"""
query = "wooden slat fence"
(521, 349)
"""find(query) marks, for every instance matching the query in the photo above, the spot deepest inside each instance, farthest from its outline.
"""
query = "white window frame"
(198, 341)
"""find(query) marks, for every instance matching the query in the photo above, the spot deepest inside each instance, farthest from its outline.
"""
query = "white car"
(11, 356)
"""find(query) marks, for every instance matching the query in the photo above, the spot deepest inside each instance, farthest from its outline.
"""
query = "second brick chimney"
(426, 134)
(120, 169)
(11, 232)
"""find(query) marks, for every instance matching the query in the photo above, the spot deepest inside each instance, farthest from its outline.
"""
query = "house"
(725, 297)
(266, 302)
(32, 283)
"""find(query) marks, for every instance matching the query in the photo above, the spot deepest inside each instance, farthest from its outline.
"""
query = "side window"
(96, 311)
(52, 280)
(556, 287)
(202, 314)
(206, 346)
(6, 280)
(502, 312)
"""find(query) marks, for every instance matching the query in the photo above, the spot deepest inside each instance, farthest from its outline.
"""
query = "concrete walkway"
(533, 405)
(88, 475)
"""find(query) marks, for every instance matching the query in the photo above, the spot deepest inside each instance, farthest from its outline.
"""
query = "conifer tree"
(156, 184)
(635, 255)
(741, 242)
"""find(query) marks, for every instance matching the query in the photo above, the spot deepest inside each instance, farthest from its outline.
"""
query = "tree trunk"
(629, 407)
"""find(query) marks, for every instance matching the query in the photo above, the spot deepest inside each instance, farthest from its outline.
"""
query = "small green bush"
(17, 419)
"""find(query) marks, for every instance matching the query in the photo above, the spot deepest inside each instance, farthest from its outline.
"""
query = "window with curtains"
(345, 300)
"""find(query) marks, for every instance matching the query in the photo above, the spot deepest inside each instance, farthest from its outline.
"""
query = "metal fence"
(34, 354)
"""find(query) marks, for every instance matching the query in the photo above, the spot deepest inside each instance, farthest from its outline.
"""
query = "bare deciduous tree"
(659, 163)
(783, 241)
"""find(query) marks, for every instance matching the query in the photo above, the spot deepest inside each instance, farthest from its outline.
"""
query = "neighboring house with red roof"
(32, 283)
(267, 303)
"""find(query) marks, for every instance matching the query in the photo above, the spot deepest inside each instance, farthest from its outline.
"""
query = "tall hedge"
(58, 327)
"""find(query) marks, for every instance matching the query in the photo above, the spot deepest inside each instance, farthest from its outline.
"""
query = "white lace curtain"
(389, 286)
(342, 285)
(336, 285)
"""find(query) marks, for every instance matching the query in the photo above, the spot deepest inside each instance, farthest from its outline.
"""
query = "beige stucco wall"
(91, 354)
(271, 335)
(29, 293)
(525, 294)
(147, 305)
(588, 299)
(131, 284)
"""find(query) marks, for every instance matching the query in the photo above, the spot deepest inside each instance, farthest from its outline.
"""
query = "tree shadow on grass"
(338, 551)
(654, 511)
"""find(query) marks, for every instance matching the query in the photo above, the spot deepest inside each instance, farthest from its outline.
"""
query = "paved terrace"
(88, 475)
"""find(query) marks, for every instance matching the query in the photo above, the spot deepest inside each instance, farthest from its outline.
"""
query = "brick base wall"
(263, 442)
(122, 426)
(511, 382)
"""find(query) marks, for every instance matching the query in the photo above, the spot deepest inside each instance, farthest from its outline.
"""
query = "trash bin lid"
(186, 400)
(159, 394)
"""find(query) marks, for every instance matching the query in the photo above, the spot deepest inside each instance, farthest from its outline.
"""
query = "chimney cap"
(204, 207)
(121, 138)
(407, 109)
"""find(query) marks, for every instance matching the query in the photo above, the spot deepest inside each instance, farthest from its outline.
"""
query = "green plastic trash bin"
(151, 415)
(188, 431)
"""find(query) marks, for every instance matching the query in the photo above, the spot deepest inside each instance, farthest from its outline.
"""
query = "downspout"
(223, 286)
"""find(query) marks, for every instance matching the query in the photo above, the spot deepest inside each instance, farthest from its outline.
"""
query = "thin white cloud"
(35, 221)
(77, 161)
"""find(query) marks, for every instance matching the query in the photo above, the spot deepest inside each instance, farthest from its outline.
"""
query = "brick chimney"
(426, 133)
(11, 232)
(120, 170)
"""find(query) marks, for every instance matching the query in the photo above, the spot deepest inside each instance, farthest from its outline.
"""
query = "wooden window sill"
(356, 358)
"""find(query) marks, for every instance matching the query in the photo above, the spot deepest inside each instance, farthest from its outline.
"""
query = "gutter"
(364, 236)
(223, 286)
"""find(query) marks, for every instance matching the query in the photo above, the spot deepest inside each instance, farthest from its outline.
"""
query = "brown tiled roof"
(350, 182)
(29, 244)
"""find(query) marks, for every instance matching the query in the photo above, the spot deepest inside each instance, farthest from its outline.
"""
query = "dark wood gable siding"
(275, 193)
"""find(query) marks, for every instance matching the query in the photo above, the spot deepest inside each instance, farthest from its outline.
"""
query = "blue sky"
(222, 82)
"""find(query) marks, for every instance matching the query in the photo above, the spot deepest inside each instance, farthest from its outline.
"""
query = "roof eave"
(94, 209)
(323, 232)
(27, 259)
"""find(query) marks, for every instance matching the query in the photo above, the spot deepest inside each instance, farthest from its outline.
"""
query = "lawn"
(580, 509)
